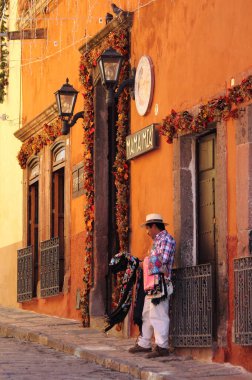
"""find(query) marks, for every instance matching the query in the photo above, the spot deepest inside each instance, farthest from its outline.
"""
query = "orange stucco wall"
(46, 65)
(196, 48)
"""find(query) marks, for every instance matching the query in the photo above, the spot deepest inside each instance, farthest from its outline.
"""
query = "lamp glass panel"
(111, 68)
(101, 70)
(58, 102)
(67, 103)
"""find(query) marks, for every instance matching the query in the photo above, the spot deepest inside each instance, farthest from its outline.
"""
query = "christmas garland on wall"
(118, 41)
(36, 143)
(4, 66)
(218, 109)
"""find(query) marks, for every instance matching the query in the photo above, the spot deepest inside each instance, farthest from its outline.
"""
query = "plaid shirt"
(164, 246)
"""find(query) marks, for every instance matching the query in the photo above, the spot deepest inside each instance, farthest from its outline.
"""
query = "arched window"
(58, 156)
(33, 170)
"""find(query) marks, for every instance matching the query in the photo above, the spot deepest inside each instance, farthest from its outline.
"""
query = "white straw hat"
(153, 218)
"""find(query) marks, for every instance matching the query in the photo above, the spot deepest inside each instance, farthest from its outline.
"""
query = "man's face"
(151, 231)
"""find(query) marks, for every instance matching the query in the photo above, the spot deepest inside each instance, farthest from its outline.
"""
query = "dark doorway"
(57, 225)
(32, 239)
(206, 200)
(206, 165)
(105, 234)
(113, 241)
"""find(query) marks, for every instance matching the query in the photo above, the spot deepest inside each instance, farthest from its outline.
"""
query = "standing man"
(155, 314)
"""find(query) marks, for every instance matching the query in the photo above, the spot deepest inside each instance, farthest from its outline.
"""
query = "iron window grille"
(243, 301)
(192, 307)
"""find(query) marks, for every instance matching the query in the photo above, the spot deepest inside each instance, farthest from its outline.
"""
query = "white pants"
(155, 320)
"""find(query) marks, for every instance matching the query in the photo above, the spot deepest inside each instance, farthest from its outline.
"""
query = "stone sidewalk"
(94, 346)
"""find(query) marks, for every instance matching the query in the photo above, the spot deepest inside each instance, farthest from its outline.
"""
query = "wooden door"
(33, 219)
(206, 213)
(57, 229)
(206, 200)
(113, 238)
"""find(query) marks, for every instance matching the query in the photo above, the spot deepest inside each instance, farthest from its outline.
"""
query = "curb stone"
(18, 333)
(66, 336)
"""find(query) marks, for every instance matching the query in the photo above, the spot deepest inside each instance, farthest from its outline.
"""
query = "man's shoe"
(158, 351)
(137, 348)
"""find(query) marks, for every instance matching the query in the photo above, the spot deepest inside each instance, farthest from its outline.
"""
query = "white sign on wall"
(144, 85)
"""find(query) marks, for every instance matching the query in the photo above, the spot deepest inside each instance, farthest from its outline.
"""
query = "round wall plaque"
(144, 85)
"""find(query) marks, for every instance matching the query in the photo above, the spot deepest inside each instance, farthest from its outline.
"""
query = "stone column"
(100, 257)
(184, 207)
(244, 180)
(221, 235)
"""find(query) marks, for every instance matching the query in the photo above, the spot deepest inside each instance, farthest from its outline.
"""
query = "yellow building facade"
(11, 175)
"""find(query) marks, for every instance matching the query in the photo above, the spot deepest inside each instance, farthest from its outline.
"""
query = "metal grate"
(243, 300)
(49, 271)
(24, 274)
(191, 307)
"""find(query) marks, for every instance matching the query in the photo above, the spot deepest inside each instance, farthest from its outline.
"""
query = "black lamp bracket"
(130, 82)
(67, 125)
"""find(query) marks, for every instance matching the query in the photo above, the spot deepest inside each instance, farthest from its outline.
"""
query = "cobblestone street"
(36, 346)
(29, 361)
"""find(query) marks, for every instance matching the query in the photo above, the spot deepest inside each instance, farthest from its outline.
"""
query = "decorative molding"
(123, 21)
(35, 125)
(28, 12)
(34, 144)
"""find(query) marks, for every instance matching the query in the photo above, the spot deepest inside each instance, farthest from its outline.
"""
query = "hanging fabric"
(127, 263)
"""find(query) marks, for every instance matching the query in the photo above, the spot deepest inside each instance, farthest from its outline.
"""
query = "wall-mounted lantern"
(110, 63)
(66, 98)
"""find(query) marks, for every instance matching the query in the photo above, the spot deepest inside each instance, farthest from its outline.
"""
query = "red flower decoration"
(222, 108)
(118, 41)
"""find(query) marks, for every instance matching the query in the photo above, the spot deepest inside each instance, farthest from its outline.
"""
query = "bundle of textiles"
(159, 291)
(127, 263)
(154, 282)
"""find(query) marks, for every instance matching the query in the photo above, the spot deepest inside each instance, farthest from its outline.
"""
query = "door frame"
(185, 226)
(200, 260)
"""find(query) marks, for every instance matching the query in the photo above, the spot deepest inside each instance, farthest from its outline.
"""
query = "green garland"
(218, 109)
(4, 67)
(118, 41)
